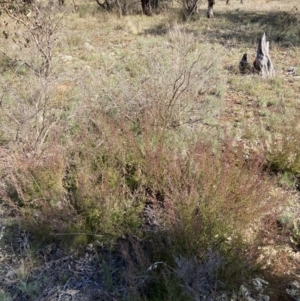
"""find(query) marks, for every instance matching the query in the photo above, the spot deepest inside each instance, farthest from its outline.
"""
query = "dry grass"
(145, 135)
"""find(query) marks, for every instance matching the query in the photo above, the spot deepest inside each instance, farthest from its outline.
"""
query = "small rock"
(87, 67)
(88, 46)
(66, 58)
(246, 293)
(259, 284)
(294, 290)
(292, 71)
(263, 298)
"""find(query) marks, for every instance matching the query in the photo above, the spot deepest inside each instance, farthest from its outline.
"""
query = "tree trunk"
(227, 1)
(147, 8)
(154, 4)
(262, 63)
(210, 13)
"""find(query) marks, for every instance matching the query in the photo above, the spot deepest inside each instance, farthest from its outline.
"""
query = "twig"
(19, 60)
(76, 233)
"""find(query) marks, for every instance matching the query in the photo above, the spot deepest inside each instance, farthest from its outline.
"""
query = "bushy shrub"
(210, 202)
(178, 87)
(283, 147)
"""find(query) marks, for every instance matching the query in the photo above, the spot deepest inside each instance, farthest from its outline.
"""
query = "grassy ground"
(135, 156)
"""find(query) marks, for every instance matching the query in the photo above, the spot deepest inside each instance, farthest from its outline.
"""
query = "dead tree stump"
(262, 63)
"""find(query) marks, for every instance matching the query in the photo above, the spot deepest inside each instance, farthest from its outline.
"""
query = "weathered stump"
(263, 63)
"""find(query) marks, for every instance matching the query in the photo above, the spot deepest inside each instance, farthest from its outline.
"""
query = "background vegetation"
(137, 139)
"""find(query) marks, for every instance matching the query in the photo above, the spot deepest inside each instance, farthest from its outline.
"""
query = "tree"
(210, 13)
(147, 7)
(38, 27)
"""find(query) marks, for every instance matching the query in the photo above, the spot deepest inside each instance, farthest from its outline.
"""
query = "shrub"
(211, 201)
(179, 87)
(283, 147)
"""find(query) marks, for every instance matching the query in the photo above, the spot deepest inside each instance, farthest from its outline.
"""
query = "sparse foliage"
(34, 26)
(191, 6)
(174, 92)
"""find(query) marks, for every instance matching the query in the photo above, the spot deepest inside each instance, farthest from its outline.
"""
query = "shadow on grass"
(244, 27)
(187, 278)
(35, 270)
(280, 27)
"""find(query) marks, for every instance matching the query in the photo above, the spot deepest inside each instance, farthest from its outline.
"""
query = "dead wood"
(263, 63)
